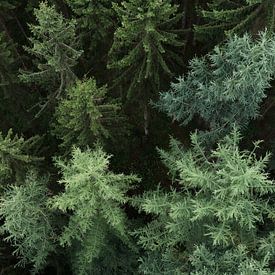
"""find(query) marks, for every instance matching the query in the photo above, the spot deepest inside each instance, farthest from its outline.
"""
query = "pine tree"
(211, 221)
(27, 221)
(224, 17)
(15, 157)
(54, 44)
(93, 195)
(85, 116)
(144, 47)
(225, 87)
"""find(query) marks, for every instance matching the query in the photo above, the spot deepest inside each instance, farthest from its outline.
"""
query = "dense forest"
(136, 137)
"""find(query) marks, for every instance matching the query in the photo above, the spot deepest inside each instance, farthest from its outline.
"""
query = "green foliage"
(96, 17)
(233, 261)
(85, 116)
(215, 215)
(225, 87)
(6, 62)
(54, 44)
(144, 45)
(27, 221)
(6, 6)
(94, 196)
(235, 17)
(15, 156)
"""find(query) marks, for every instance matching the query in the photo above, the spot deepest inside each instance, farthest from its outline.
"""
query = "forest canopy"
(136, 137)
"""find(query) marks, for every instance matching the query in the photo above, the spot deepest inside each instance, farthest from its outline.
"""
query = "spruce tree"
(94, 196)
(224, 17)
(27, 221)
(85, 115)
(225, 87)
(212, 220)
(145, 47)
(55, 46)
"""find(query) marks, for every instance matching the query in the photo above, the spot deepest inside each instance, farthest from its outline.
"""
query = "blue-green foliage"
(225, 87)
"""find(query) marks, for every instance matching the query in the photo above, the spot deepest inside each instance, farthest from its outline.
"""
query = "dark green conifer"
(226, 17)
(15, 156)
(95, 17)
(145, 47)
(6, 61)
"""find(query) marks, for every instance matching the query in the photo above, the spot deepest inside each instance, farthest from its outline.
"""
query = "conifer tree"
(94, 16)
(6, 62)
(210, 222)
(27, 221)
(15, 157)
(6, 7)
(145, 47)
(225, 87)
(93, 195)
(235, 17)
(84, 116)
(54, 44)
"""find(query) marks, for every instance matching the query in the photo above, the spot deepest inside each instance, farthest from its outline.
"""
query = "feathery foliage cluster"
(226, 87)
(217, 204)
(27, 221)
(95, 197)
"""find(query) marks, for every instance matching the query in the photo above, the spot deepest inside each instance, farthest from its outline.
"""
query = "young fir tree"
(27, 221)
(225, 87)
(93, 196)
(145, 47)
(217, 219)
(54, 44)
(225, 17)
(15, 157)
(85, 115)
